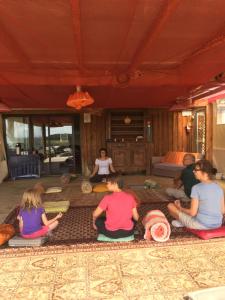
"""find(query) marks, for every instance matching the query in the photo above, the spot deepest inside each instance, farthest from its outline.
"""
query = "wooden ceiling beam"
(205, 62)
(68, 78)
(76, 19)
(208, 46)
(153, 33)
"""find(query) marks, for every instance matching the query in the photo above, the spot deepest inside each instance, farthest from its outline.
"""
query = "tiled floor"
(12, 191)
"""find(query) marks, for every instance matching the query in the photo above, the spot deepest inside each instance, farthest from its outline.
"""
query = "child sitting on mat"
(207, 202)
(121, 212)
(32, 216)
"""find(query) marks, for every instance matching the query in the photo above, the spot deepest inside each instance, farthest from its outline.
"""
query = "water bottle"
(18, 149)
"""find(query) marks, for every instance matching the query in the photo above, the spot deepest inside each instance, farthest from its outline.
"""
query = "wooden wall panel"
(209, 131)
(169, 132)
(93, 137)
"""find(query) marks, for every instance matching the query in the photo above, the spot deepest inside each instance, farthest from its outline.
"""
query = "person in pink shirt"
(121, 211)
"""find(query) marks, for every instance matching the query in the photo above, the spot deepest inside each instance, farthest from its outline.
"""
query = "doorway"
(56, 139)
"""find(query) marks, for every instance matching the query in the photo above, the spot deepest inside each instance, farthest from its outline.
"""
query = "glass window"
(220, 111)
(17, 131)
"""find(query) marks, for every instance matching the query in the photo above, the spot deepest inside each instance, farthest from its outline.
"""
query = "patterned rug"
(76, 225)
(151, 273)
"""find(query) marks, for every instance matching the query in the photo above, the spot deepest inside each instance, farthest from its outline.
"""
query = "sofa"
(171, 164)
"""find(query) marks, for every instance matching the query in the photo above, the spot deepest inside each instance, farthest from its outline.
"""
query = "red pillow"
(208, 234)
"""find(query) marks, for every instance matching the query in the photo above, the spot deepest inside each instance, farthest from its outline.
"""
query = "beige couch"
(171, 164)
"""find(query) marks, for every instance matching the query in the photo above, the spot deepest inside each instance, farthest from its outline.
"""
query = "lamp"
(4, 107)
(127, 120)
(79, 99)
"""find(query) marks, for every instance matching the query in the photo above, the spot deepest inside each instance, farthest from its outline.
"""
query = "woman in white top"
(103, 167)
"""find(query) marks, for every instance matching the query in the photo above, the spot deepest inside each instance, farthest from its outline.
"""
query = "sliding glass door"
(59, 147)
(56, 139)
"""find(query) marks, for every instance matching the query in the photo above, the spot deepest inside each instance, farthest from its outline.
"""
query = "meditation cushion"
(55, 189)
(18, 241)
(100, 188)
(6, 232)
(56, 206)
(86, 187)
(103, 238)
(208, 234)
(151, 184)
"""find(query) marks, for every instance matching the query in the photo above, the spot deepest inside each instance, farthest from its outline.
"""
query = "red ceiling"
(125, 53)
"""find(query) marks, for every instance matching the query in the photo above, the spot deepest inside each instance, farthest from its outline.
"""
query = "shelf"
(127, 131)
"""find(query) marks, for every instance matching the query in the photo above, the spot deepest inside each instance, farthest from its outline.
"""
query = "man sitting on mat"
(186, 179)
(121, 212)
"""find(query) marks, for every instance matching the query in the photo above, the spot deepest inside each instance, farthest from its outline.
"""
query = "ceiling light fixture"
(79, 99)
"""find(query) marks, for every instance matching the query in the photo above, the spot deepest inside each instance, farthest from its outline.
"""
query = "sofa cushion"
(176, 157)
(168, 166)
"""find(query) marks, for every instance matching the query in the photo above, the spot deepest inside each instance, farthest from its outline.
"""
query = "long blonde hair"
(31, 198)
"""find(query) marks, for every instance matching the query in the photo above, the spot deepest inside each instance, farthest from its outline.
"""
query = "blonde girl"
(33, 222)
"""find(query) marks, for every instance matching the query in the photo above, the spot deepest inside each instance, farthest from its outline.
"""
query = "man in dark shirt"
(185, 181)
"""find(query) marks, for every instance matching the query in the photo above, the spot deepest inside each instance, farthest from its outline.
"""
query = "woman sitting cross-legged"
(121, 212)
(103, 167)
(207, 201)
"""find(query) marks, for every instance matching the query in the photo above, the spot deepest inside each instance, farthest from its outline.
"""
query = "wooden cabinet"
(130, 157)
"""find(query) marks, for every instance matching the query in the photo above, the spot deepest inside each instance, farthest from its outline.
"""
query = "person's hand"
(177, 204)
(59, 216)
(94, 226)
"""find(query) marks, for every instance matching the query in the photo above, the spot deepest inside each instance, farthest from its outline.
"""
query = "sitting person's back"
(209, 196)
(185, 181)
(207, 202)
(118, 207)
(121, 212)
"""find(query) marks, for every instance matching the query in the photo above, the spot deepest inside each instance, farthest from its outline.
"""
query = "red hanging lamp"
(79, 99)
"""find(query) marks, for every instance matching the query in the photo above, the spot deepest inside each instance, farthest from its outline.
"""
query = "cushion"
(86, 187)
(176, 157)
(169, 157)
(100, 188)
(18, 241)
(103, 238)
(6, 232)
(55, 189)
(56, 206)
(208, 234)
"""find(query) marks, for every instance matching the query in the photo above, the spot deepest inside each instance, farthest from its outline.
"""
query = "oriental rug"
(156, 272)
(76, 225)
